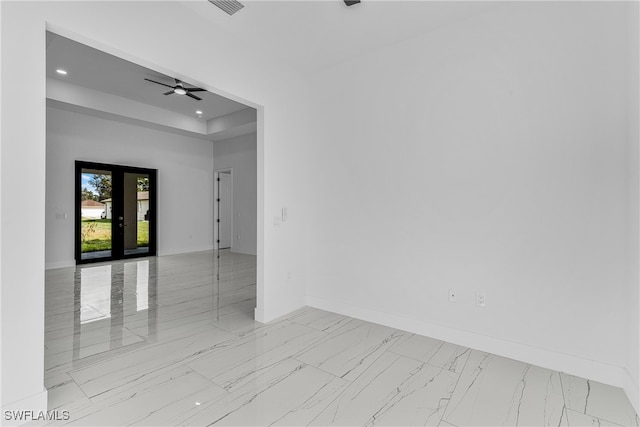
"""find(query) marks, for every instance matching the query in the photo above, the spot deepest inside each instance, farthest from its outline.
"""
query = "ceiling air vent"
(229, 6)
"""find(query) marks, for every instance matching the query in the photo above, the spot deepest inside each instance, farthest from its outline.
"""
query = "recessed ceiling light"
(61, 71)
(199, 112)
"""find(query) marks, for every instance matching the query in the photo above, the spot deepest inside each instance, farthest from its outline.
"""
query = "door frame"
(118, 172)
(216, 207)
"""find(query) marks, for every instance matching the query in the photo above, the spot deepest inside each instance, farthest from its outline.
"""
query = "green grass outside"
(96, 234)
(143, 234)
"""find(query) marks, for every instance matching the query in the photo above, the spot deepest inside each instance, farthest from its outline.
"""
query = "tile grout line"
(455, 387)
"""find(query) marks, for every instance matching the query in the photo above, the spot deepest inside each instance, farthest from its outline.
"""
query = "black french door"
(115, 216)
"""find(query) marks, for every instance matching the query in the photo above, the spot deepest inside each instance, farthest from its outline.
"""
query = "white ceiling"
(311, 35)
(308, 35)
(94, 69)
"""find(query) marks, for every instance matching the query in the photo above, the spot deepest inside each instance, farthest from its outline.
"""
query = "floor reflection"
(94, 312)
(105, 296)
(113, 290)
(94, 293)
(142, 285)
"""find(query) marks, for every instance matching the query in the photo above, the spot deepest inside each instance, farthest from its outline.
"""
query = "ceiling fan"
(180, 89)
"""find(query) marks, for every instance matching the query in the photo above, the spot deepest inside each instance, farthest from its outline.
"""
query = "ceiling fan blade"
(158, 83)
(194, 97)
(169, 93)
(194, 89)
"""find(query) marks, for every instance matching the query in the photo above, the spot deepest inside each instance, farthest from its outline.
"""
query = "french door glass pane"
(136, 213)
(96, 206)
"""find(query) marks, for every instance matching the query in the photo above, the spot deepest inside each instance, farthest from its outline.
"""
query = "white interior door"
(225, 191)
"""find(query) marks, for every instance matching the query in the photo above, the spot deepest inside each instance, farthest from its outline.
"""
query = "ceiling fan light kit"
(179, 89)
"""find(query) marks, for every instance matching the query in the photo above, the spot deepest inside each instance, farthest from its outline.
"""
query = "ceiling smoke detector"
(228, 6)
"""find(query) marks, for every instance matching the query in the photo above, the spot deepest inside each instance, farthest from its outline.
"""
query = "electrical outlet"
(453, 297)
(481, 299)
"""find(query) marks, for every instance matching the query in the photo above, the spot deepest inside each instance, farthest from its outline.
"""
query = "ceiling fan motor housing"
(179, 89)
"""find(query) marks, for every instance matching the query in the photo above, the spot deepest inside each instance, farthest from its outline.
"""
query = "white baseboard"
(36, 403)
(259, 315)
(242, 251)
(181, 251)
(265, 316)
(632, 389)
(59, 264)
(573, 365)
(72, 263)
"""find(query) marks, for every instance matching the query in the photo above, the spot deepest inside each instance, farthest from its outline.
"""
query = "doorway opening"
(115, 212)
(120, 290)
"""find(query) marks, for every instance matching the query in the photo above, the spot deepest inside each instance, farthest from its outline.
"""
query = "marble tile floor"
(172, 341)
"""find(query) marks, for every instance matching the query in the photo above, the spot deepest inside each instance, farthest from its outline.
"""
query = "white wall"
(240, 154)
(487, 156)
(633, 361)
(2, 315)
(229, 68)
(22, 143)
(185, 178)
